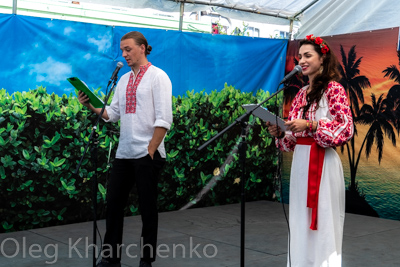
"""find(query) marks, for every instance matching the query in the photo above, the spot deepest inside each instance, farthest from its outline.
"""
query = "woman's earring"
(321, 69)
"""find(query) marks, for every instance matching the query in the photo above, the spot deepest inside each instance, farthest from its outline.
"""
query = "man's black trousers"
(126, 173)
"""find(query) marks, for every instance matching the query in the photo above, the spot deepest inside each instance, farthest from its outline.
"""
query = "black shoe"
(145, 264)
(105, 263)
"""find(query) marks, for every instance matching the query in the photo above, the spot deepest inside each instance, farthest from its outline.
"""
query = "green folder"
(81, 86)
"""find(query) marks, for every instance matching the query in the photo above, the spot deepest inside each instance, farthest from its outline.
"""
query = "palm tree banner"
(370, 68)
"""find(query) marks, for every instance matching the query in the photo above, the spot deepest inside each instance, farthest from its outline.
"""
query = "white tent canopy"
(320, 17)
(332, 17)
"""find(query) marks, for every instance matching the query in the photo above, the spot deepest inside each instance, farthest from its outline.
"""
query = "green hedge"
(42, 138)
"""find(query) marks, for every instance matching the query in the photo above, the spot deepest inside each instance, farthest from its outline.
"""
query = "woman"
(319, 119)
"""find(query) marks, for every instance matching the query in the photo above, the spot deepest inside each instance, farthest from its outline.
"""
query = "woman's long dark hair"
(329, 73)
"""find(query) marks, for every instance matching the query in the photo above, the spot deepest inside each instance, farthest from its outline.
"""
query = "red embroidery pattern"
(132, 88)
(330, 133)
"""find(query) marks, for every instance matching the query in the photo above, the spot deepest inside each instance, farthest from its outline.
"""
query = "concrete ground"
(202, 237)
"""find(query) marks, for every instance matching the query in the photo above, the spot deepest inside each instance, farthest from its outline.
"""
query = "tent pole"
(14, 7)
(291, 29)
(181, 16)
(304, 9)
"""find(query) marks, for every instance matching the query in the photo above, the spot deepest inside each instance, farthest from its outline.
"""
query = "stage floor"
(202, 237)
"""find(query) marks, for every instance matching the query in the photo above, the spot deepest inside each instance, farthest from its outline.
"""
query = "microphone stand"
(243, 121)
(93, 139)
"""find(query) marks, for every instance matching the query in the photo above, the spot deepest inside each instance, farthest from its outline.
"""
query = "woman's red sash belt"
(317, 154)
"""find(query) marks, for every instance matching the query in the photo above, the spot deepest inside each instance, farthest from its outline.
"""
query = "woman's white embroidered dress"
(321, 247)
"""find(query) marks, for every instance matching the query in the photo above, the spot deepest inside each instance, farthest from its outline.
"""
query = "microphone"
(296, 70)
(115, 73)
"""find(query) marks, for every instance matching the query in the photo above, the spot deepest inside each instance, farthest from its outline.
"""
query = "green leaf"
(26, 154)
(204, 178)
(179, 174)
(58, 163)
(7, 226)
(2, 172)
(14, 134)
(28, 183)
(45, 219)
(67, 187)
(8, 161)
(133, 209)
(173, 154)
(2, 141)
(63, 210)
(49, 143)
(102, 191)
(45, 213)
(64, 184)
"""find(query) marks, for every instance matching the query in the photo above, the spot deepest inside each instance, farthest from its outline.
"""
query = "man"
(143, 103)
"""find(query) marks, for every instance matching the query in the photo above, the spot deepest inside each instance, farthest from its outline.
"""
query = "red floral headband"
(318, 41)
